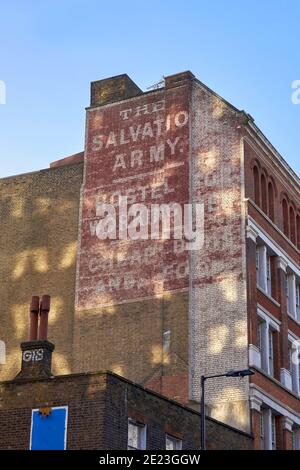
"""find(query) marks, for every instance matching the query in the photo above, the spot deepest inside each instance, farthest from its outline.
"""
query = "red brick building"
(273, 236)
(151, 310)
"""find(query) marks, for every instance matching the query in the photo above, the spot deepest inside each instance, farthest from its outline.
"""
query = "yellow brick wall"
(38, 243)
(128, 338)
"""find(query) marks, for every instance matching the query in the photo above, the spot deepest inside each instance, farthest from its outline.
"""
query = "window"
(172, 443)
(269, 275)
(264, 199)
(262, 431)
(256, 186)
(257, 264)
(264, 191)
(271, 352)
(287, 291)
(136, 435)
(267, 429)
(293, 296)
(259, 334)
(290, 352)
(296, 438)
(285, 214)
(261, 337)
(294, 364)
(298, 370)
(273, 432)
(298, 302)
(292, 226)
(271, 200)
(291, 221)
(266, 331)
(263, 269)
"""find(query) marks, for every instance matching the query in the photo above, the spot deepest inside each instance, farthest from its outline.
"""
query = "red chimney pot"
(44, 311)
(34, 312)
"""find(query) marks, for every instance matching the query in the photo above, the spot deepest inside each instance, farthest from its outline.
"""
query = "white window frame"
(271, 351)
(264, 269)
(142, 435)
(269, 275)
(261, 267)
(294, 346)
(273, 431)
(262, 431)
(291, 294)
(268, 429)
(296, 438)
(177, 442)
(298, 302)
(267, 328)
(260, 334)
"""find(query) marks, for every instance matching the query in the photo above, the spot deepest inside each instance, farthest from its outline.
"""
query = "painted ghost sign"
(137, 149)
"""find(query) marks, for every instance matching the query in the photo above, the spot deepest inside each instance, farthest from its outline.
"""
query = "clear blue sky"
(50, 51)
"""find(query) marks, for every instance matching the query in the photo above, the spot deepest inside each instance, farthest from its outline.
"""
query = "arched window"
(298, 231)
(264, 199)
(256, 186)
(285, 215)
(292, 226)
(271, 200)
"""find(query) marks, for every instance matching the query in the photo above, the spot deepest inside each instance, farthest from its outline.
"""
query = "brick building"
(153, 311)
(99, 411)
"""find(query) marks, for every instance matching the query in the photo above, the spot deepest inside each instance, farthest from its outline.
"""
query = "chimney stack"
(110, 90)
(37, 351)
